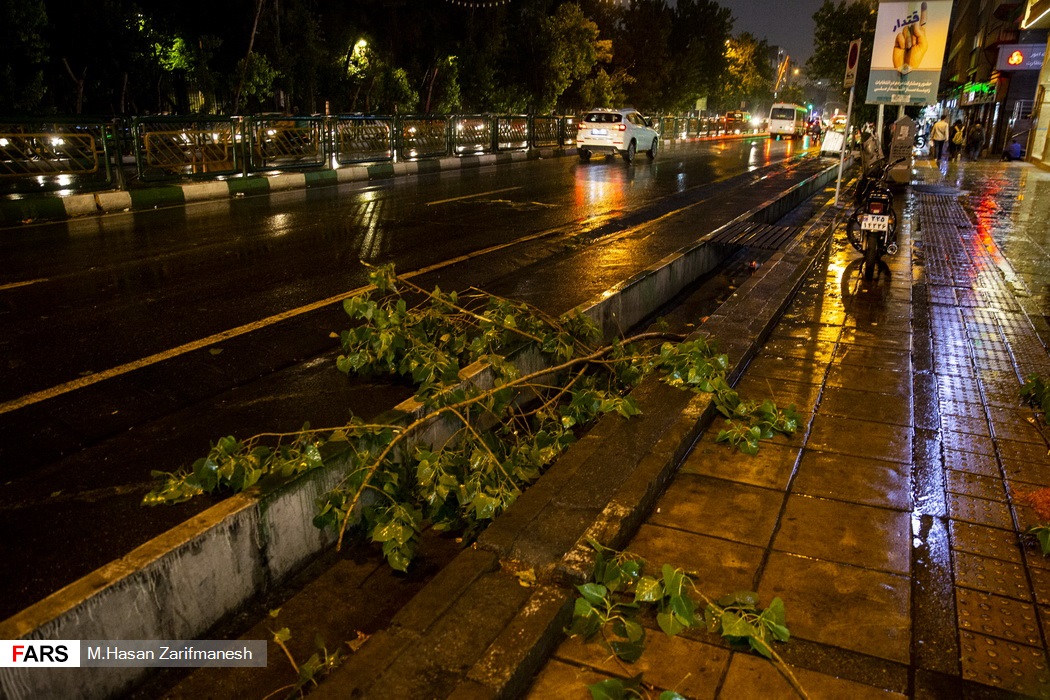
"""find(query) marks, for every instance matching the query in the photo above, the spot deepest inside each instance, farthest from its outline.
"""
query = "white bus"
(787, 119)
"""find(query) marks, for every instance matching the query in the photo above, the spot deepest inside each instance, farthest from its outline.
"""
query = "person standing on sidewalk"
(955, 146)
(975, 141)
(938, 138)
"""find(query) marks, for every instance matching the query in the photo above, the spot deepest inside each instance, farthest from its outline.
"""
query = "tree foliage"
(836, 26)
(749, 74)
(23, 55)
(133, 57)
(493, 442)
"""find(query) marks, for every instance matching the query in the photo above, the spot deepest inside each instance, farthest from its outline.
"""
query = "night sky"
(785, 23)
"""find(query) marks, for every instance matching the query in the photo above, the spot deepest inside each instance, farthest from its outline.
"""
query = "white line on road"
(15, 285)
(88, 380)
(472, 196)
(80, 383)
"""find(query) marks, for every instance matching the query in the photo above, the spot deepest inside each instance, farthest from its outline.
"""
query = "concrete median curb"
(37, 208)
(602, 489)
(183, 582)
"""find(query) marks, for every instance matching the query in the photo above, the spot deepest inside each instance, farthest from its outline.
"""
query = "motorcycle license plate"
(875, 222)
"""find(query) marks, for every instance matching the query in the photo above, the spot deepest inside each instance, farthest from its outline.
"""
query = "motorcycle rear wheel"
(871, 253)
(855, 234)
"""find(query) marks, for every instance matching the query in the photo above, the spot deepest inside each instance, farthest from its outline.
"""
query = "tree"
(573, 49)
(701, 27)
(257, 78)
(836, 26)
(23, 55)
(646, 57)
(792, 93)
(444, 93)
(749, 76)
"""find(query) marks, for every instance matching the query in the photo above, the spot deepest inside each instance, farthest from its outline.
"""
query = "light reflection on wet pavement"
(890, 525)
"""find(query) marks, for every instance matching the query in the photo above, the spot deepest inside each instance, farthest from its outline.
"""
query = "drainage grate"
(751, 234)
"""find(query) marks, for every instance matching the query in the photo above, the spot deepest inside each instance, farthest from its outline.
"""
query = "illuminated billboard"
(910, 38)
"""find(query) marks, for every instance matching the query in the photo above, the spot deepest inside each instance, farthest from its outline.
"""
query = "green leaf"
(629, 630)
(780, 632)
(759, 644)
(628, 651)
(484, 506)
(673, 580)
(669, 623)
(1042, 534)
(734, 625)
(389, 530)
(593, 593)
(648, 590)
(684, 608)
(746, 599)
(609, 689)
(777, 611)
(282, 635)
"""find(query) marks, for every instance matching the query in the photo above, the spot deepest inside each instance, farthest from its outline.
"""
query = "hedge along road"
(216, 319)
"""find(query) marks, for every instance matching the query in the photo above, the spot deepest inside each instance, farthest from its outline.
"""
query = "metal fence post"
(246, 147)
(118, 153)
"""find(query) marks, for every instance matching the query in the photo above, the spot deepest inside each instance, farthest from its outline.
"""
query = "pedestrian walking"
(939, 137)
(955, 146)
(975, 141)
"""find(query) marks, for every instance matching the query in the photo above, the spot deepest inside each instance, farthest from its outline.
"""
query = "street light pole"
(845, 138)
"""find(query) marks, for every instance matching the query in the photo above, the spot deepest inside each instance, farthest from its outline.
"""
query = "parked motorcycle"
(872, 229)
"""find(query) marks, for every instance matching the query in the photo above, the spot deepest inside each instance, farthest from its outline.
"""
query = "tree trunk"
(244, 68)
(430, 90)
(79, 82)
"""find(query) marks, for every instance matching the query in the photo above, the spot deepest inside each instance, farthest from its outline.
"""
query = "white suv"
(612, 131)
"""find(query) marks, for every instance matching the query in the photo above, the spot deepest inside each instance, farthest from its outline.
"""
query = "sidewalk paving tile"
(752, 677)
(771, 468)
(718, 508)
(860, 438)
(998, 616)
(848, 533)
(892, 409)
(841, 605)
(691, 668)
(717, 566)
(854, 479)
(890, 524)
(1007, 665)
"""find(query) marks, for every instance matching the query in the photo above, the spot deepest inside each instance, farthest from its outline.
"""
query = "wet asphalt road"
(117, 356)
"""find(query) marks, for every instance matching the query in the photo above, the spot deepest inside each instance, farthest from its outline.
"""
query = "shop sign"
(1021, 57)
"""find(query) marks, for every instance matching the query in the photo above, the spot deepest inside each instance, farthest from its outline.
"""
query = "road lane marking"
(472, 196)
(88, 380)
(95, 378)
(15, 285)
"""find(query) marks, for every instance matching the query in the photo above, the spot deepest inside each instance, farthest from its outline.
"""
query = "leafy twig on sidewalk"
(497, 438)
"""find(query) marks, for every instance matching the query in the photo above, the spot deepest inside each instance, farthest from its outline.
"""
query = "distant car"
(612, 131)
(738, 123)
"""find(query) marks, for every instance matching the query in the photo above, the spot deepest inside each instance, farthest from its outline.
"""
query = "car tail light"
(876, 207)
(622, 127)
(581, 125)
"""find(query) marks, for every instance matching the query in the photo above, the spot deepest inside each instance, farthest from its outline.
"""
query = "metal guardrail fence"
(84, 153)
(180, 146)
(39, 154)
